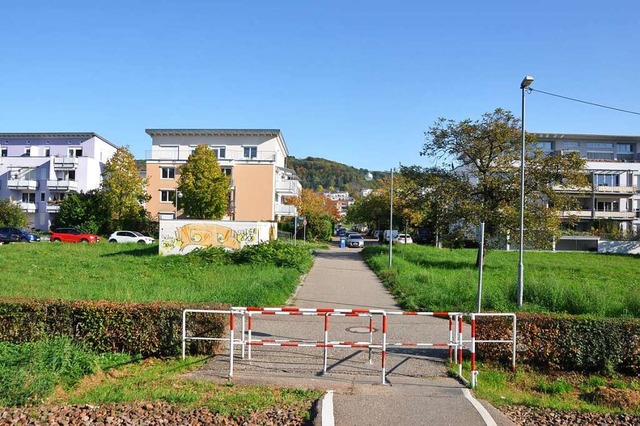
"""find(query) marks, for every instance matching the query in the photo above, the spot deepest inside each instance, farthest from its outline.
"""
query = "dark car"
(23, 234)
(7, 236)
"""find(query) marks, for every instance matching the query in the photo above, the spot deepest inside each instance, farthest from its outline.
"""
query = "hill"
(319, 173)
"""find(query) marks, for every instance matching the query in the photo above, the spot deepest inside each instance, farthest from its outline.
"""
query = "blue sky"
(352, 81)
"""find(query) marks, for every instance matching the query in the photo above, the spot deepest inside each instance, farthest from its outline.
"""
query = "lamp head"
(526, 82)
(368, 177)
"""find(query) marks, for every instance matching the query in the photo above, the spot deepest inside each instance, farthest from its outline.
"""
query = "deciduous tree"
(11, 214)
(203, 185)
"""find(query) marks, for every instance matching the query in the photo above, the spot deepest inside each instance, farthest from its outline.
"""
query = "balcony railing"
(598, 189)
(22, 184)
(62, 185)
(28, 207)
(291, 187)
(286, 210)
(586, 214)
(183, 155)
(65, 163)
(53, 207)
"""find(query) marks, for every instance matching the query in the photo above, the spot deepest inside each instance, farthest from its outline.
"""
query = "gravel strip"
(522, 415)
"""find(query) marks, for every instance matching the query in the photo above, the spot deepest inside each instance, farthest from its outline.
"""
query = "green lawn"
(131, 272)
(428, 278)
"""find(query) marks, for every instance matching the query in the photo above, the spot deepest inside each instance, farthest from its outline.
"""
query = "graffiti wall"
(183, 236)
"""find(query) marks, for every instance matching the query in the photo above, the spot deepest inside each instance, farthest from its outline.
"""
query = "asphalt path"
(417, 389)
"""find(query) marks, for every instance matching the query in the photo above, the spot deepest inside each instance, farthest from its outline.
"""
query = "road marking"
(327, 409)
(488, 420)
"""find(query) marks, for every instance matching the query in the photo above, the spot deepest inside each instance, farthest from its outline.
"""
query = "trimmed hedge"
(153, 329)
(563, 342)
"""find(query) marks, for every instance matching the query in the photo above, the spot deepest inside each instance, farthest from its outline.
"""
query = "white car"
(403, 239)
(129, 237)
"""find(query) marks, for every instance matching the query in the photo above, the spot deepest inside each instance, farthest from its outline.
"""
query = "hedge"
(153, 329)
(564, 342)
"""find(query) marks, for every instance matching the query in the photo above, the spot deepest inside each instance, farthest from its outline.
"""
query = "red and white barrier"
(456, 343)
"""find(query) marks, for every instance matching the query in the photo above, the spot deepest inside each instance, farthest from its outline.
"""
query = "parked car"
(129, 237)
(355, 240)
(22, 233)
(8, 236)
(340, 232)
(389, 235)
(73, 235)
(403, 239)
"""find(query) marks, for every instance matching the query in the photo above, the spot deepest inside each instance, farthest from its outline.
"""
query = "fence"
(456, 343)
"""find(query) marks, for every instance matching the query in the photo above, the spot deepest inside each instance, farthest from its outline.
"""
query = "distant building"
(337, 195)
(365, 192)
(253, 159)
(38, 170)
(613, 166)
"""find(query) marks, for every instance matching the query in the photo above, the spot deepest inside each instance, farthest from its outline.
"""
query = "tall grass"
(428, 278)
(128, 272)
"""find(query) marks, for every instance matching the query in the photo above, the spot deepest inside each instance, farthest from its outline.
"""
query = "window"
(167, 195)
(47, 152)
(75, 152)
(625, 148)
(71, 175)
(571, 144)
(27, 152)
(608, 206)
(599, 145)
(168, 172)
(606, 180)
(28, 197)
(42, 196)
(220, 151)
(5, 152)
(250, 151)
(545, 145)
(226, 170)
(600, 155)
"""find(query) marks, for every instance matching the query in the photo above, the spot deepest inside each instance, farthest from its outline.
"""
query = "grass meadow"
(427, 278)
(135, 273)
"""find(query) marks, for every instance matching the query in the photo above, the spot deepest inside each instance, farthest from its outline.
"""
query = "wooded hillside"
(322, 174)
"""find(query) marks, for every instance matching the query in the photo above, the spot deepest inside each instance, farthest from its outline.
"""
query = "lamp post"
(178, 195)
(526, 82)
(391, 220)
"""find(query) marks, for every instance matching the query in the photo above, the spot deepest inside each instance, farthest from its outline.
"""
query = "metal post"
(391, 221)
(481, 266)
(525, 83)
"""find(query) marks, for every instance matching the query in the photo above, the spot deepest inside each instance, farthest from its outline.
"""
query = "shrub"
(153, 329)
(563, 342)
(277, 253)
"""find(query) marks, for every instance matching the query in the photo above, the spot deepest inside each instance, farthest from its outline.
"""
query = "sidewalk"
(418, 390)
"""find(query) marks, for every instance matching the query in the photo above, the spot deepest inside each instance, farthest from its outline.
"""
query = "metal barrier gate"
(456, 342)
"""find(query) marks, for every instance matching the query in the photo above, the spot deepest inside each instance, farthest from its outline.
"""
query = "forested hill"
(319, 173)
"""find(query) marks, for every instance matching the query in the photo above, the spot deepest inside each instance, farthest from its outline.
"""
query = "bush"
(563, 342)
(153, 329)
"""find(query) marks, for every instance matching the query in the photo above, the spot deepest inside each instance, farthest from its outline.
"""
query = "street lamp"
(526, 82)
(178, 195)
(391, 220)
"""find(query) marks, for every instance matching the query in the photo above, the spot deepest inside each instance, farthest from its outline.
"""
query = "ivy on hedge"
(153, 329)
(563, 342)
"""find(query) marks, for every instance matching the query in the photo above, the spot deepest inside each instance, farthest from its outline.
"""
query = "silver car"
(355, 240)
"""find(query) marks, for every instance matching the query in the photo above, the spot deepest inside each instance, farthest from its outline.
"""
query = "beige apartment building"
(254, 159)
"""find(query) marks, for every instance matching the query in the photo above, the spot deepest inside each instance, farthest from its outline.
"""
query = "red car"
(72, 235)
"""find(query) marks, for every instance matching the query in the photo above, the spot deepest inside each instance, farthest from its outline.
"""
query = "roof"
(276, 133)
(586, 136)
(85, 135)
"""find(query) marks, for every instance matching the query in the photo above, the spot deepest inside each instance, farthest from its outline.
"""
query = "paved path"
(418, 390)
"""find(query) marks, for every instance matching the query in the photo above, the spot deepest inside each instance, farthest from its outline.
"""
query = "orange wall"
(154, 174)
(255, 191)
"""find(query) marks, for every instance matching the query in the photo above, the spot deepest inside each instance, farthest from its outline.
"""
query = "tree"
(87, 211)
(11, 214)
(319, 211)
(487, 154)
(203, 185)
(123, 190)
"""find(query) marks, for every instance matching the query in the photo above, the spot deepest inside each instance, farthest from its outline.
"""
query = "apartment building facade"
(254, 159)
(613, 166)
(37, 170)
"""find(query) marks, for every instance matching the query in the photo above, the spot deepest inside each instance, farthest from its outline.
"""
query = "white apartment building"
(37, 170)
(613, 165)
(255, 160)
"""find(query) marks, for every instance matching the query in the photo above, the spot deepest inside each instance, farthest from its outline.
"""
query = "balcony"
(23, 184)
(53, 207)
(285, 210)
(28, 207)
(616, 189)
(65, 163)
(288, 187)
(230, 156)
(586, 214)
(62, 185)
